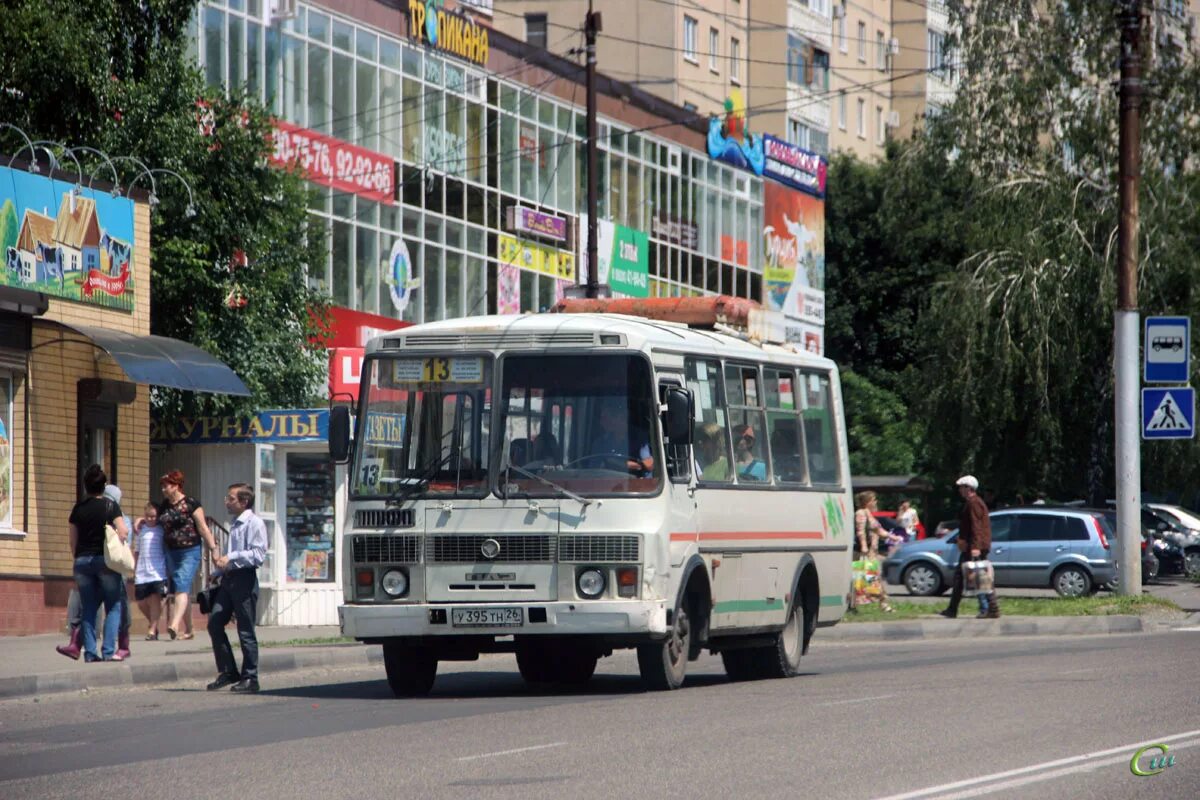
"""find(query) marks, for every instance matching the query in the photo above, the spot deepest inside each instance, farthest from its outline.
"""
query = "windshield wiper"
(584, 501)
(407, 487)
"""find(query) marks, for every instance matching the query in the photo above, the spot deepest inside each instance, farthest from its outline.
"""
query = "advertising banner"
(334, 163)
(794, 166)
(66, 241)
(508, 289)
(535, 257)
(310, 425)
(345, 370)
(624, 255)
(535, 223)
(794, 247)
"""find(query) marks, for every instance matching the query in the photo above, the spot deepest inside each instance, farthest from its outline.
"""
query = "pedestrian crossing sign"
(1169, 413)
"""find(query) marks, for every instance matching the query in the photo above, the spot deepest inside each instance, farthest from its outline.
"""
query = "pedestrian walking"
(237, 592)
(865, 569)
(185, 534)
(974, 543)
(97, 583)
(150, 570)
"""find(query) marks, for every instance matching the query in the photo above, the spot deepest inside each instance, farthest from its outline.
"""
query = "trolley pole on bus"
(590, 28)
(1127, 329)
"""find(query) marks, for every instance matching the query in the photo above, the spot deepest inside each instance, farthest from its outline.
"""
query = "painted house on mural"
(35, 243)
(77, 234)
(76, 362)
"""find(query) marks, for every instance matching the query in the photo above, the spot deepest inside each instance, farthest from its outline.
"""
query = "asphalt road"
(1037, 717)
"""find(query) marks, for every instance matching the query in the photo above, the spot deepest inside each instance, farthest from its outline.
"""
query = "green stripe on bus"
(832, 600)
(734, 606)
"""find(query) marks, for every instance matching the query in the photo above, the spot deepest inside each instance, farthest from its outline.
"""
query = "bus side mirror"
(680, 415)
(339, 434)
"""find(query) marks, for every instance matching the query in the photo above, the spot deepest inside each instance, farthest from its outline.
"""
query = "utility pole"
(1127, 329)
(591, 27)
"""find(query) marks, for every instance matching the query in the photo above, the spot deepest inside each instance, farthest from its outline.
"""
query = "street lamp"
(28, 145)
(116, 191)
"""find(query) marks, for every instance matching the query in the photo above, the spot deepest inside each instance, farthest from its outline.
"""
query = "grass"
(1095, 606)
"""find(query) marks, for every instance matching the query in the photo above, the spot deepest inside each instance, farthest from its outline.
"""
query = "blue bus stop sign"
(1169, 413)
(1166, 348)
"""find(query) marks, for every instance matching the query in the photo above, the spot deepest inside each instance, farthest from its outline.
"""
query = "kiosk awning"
(162, 361)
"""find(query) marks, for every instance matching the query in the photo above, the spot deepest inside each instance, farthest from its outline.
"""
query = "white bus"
(564, 485)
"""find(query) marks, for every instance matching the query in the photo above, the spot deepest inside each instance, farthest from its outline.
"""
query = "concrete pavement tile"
(1124, 624)
(18, 687)
(1016, 627)
(153, 673)
(51, 682)
(276, 662)
(903, 630)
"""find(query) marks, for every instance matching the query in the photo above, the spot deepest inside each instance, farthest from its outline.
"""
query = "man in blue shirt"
(237, 593)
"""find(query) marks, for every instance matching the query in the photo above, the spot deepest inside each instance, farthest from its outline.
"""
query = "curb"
(193, 669)
(980, 629)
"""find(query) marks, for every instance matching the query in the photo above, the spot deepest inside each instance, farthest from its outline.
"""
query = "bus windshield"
(580, 423)
(423, 427)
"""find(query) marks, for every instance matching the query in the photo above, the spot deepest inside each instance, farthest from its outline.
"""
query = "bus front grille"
(470, 549)
(384, 518)
(386, 549)
(599, 549)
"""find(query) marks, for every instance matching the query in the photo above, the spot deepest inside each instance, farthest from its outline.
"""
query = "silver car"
(1065, 549)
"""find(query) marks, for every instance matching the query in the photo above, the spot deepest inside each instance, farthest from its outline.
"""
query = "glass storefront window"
(343, 35)
(214, 50)
(344, 118)
(431, 282)
(236, 51)
(389, 53)
(454, 284)
(390, 114)
(318, 87)
(366, 260)
(254, 74)
(414, 146)
(310, 519)
(318, 27)
(477, 143)
(366, 111)
(342, 249)
(294, 69)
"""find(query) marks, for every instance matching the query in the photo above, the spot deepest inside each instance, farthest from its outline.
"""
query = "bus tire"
(663, 665)
(410, 670)
(782, 658)
(739, 666)
(536, 664)
(576, 668)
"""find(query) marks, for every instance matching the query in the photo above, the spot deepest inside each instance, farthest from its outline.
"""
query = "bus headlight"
(394, 583)
(590, 582)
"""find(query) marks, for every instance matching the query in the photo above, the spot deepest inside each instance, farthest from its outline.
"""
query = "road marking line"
(1127, 750)
(1058, 773)
(855, 700)
(510, 752)
(1188, 630)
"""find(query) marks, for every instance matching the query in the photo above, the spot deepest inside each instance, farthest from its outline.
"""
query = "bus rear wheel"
(410, 670)
(663, 665)
(782, 658)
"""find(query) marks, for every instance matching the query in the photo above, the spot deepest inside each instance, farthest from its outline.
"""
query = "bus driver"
(617, 438)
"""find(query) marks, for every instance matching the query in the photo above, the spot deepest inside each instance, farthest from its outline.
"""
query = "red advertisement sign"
(109, 284)
(334, 163)
(345, 370)
(735, 250)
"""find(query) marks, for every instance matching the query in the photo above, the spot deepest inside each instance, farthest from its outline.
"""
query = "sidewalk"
(30, 666)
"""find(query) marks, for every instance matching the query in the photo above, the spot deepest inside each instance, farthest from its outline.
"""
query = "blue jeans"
(97, 583)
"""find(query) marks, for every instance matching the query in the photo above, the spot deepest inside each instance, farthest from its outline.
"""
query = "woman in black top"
(96, 582)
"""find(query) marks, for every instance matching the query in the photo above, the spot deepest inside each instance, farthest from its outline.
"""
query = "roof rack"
(734, 316)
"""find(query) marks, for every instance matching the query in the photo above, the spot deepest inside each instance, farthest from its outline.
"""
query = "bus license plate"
(487, 617)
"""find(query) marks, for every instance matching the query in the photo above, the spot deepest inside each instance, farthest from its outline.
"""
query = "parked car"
(1065, 549)
(1189, 522)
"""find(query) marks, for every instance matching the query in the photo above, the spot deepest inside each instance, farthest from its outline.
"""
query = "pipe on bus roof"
(696, 311)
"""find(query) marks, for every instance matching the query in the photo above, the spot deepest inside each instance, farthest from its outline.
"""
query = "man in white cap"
(974, 543)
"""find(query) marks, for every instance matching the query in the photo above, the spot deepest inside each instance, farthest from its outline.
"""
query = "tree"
(881, 437)
(1019, 370)
(116, 76)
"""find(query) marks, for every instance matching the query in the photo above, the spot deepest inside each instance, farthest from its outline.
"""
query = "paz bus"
(564, 485)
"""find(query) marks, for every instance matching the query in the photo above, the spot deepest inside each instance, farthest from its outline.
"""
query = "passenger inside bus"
(546, 452)
(617, 437)
(712, 465)
(749, 465)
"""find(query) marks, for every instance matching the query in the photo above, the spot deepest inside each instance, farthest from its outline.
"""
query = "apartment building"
(790, 71)
(864, 59)
(693, 54)
(924, 66)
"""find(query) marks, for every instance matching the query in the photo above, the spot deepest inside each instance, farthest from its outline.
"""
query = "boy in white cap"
(974, 543)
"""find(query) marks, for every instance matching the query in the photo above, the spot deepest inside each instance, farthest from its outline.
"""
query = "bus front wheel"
(410, 670)
(663, 665)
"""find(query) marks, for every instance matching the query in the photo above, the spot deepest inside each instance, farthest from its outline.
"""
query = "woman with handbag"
(96, 582)
(185, 534)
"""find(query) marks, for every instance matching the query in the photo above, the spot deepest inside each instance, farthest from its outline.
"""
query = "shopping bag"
(978, 575)
(117, 555)
(867, 585)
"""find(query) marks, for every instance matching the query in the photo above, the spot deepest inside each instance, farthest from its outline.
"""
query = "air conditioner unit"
(839, 11)
(893, 46)
(893, 119)
(274, 10)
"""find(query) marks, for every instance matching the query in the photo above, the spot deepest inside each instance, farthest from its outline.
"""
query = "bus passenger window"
(747, 422)
(820, 435)
(785, 432)
(711, 450)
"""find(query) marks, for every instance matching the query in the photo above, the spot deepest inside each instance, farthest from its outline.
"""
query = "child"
(150, 569)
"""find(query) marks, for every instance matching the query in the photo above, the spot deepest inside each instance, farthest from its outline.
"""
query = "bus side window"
(711, 448)
(820, 435)
(748, 424)
(785, 434)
